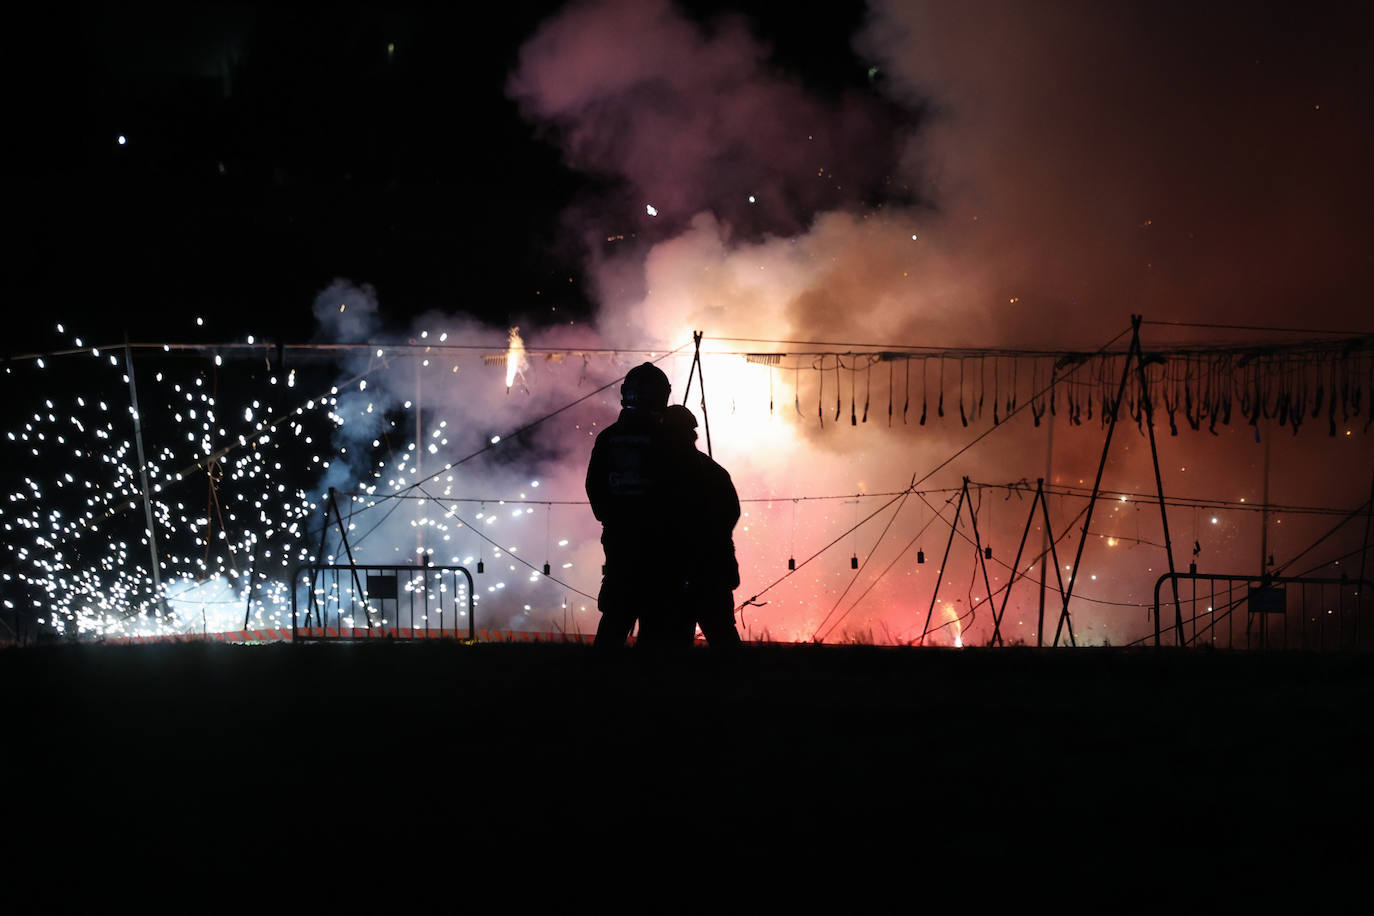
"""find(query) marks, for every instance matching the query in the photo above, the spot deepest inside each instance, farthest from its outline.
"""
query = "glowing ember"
(955, 625)
(516, 364)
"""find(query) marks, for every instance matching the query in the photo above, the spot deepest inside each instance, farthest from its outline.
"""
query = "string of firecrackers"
(1199, 387)
(493, 353)
(1288, 382)
(818, 355)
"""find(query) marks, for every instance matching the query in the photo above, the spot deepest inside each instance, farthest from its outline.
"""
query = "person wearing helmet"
(628, 481)
(710, 571)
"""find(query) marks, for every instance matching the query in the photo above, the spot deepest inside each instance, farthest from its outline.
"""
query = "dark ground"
(1220, 773)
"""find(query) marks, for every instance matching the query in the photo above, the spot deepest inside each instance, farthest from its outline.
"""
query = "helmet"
(645, 387)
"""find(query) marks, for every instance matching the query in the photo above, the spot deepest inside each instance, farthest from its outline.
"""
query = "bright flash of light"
(955, 626)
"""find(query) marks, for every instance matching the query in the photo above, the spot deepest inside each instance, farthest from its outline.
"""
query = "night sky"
(270, 148)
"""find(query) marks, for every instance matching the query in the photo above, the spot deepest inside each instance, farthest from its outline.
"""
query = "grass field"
(802, 762)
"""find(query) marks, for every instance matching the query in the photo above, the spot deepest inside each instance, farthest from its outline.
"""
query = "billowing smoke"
(1184, 162)
(686, 118)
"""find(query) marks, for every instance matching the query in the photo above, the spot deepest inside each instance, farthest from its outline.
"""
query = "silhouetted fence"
(1266, 612)
(364, 601)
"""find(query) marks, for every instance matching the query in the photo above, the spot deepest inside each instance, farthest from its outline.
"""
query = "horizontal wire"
(521, 559)
(1250, 327)
(410, 349)
(1067, 491)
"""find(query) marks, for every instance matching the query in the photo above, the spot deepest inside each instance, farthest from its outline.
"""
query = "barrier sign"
(381, 586)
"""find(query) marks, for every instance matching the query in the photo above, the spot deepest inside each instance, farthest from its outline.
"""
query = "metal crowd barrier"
(1267, 612)
(368, 601)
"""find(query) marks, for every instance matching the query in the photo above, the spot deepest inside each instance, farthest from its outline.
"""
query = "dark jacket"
(627, 483)
(719, 512)
(704, 501)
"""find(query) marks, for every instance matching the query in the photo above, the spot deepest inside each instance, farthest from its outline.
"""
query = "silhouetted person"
(627, 483)
(708, 508)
